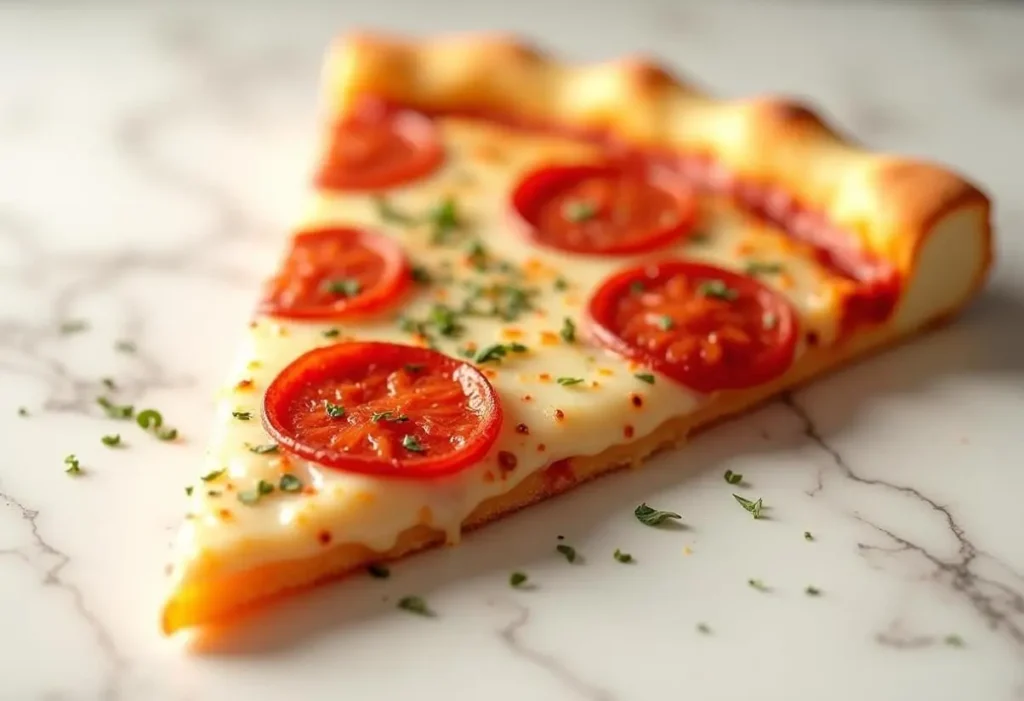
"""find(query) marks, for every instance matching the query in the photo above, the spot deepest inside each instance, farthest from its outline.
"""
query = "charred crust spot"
(559, 415)
(636, 400)
(523, 429)
(541, 447)
(323, 537)
(507, 461)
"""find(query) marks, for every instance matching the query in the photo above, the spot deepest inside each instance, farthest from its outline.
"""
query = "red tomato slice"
(604, 209)
(383, 409)
(708, 328)
(377, 147)
(335, 273)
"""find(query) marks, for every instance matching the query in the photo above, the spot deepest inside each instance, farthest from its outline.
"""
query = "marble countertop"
(152, 158)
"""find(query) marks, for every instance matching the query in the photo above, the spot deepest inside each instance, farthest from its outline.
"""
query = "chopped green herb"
(346, 287)
(733, 477)
(242, 415)
(769, 320)
(467, 352)
(808, 536)
(378, 416)
(116, 411)
(568, 332)
(561, 284)
(73, 466)
(412, 444)
(213, 493)
(252, 496)
(636, 287)
(420, 275)
(699, 238)
(762, 268)
(211, 476)
(653, 517)
(149, 418)
(517, 579)
(498, 351)
(111, 440)
(567, 381)
(378, 571)
(717, 289)
(645, 377)
(335, 411)
(109, 383)
(73, 326)
(665, 322)
(22, 411)
(754, 507)
(953, 640)
(289, 483)
(567, 550)
(445, 320)
(388, 213)
(331, 333)
(578, 211)
(703, 628)
(166, 434)
(478, 256)
(445, 219)
(414, 604)
(188, 490)
(125, 347)
(262, 449)
(621, 556)
(757, 584)
(812, 591)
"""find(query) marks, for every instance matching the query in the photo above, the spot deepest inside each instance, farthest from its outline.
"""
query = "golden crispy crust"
(889, 203)
(930, 224)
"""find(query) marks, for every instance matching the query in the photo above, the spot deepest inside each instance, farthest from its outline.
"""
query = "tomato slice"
(604, 209)
(378, 146)
(383, 409)
(335, 273)
(708, 328)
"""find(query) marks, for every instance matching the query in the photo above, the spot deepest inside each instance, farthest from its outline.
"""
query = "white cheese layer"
(544, 421)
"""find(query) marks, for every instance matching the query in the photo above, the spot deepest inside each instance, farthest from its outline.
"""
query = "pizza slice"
(516, 275)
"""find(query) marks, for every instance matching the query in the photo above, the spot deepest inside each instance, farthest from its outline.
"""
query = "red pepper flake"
(523, 429)
(541, 447)
(559, 475)
(527, 398)
(628, 431)
(225, 514)
(595, 384)
(559, 415)
(253, 324)
(548, 338)
(488, 477)
(244, 384)
(544, 377)
(507, 461)
(812, 338)
(512, 334)
(636, 399)
(490, 374)
(324, 537)
(605, 371)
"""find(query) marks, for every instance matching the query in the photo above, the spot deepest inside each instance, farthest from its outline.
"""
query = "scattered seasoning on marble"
(703, 628)
(953, 640)
(757, 584)
(622, 557)
(242, 415)
(653, 517)
(812, 591)
(116, 411)
(733, 477)
(111, 440)
(753, 507)
(22, 411)
(108, 382)
(73, 466)
(517, 579)
(808, 536)
(73, 326)
(125, 347)
(567, 551)
(415, 604)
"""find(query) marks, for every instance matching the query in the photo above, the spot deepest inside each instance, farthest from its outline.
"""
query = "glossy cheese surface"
(544, 421)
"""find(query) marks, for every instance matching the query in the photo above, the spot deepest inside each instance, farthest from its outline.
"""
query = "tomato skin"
(318, 256)
(477, 426)
(635, 209)
(378, 146)
(716, 344)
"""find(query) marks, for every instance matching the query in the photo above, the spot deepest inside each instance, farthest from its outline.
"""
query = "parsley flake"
(378, 571)
(188, 490)
(73, 466)
(420, 275)
(116, 411)
(289, 483)
(653, 517)
(335, 411)
(665, 322)
(568, 332)
(73, 326)
(211, 476)
(111, 440)
(109, 383)
(346, 287)
(757, 584)
(445, 219)
(808, 536)
(389, 213)
(517, 579)
(250, 497)
(242, 415)
(415, 604)
(378, 416)
(568, 381)
(561, 284)
(704, 628)
(412, 444)
(579, 211)
(567, 550)
(330, 333)
(622, 557)
(124, 346)
(812, 591)
(262, 449)
(755, 267)
(717, 289)
(953, 640)
(22, 411)
(645, 377)
(636, 287)
(498, 351)
(166, 434)
(733, 477)
(149, 419)
(754, 507)
(769, 320)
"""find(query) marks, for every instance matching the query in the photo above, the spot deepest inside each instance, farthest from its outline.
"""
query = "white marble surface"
(150, 159)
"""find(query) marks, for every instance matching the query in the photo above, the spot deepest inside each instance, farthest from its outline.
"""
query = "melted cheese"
(544, 421)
